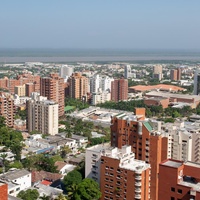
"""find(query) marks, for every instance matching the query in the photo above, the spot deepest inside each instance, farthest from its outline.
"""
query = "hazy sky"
(136, 24)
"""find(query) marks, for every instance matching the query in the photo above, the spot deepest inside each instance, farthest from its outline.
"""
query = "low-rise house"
(39, 176)
(64, 168)
(80, 140)
(17, 180)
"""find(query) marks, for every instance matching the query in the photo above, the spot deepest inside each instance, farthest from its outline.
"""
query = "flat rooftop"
(12, 175)
(172, 163)
(173, 95)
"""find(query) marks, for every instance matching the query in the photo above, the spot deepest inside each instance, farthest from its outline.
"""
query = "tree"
(72, 190)
(28, 194)
(64, 151)
(61, 197)
(73, 177)
(2, 121)
(88, 189)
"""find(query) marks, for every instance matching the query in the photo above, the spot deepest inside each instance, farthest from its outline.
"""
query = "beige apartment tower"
(7, 108)
(42, 115)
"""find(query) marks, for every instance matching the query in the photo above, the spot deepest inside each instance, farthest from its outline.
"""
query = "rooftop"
(156, 87)
(172, 163)
(12, 175)
(173, 95)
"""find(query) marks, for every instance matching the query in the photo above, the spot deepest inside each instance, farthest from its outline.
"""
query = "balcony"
(138, 183)
(138, 190)
(137, 196)
(138, 178)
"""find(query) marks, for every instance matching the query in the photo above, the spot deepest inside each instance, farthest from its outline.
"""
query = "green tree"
(88, 189)
(28, 194)
(61, 197)
(2, 121)
(64, 151)
(16, 164)
(72, 192)
(73, 177)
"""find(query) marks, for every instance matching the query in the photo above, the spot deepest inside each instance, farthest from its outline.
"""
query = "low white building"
(17, 180)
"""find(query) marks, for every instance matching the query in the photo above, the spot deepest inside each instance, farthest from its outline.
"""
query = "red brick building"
(179, 180)
(3, 191)
(119, 90)
(123, 177)
(52, 87)
(147, 144)
(157, 101)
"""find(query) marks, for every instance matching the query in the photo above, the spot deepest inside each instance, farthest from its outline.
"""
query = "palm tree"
(71, 191)
(45, 197)
(61, 197)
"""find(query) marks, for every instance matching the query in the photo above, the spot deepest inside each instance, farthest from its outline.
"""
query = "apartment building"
(78, 86)
(100, 97)
(42, 115)
(183, 140)
(119, 90)
(117, 171)
(175, 74)
(65, 71)
(52, 87)
(145, 138)
(157, 72)
(17, 180)
(20, 90)
(179, 180)
(7, 108)
(127, 71)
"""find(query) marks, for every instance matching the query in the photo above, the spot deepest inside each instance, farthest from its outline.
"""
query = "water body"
(95, 55)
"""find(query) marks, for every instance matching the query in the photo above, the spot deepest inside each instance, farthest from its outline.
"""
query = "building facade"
(7, 108)
(42, 115)
(197, 82)
(65, 71)
(78, 86)
(52, 87)
(179, 180)
(127, 72)
(117, 171)
(146, 141)
(119, 90)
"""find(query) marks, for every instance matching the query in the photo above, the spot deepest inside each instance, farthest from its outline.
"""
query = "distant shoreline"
(95, 55)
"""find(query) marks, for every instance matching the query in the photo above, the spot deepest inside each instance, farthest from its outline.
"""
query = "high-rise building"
(146, 141)
(78, 86)
(7, 108)
(65, 71)
(117, 171)
(127, 72)
(197, 82)
(20, 90)
(119, 90)
(29, 88)
(42, 115)
(175, 74)
(106, 83)
(100, 97)
(179, 180)
(95, 83)
(179, 71)
(157, 72)
(52, 87)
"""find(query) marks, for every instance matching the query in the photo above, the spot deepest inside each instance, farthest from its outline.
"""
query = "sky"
(112, 24)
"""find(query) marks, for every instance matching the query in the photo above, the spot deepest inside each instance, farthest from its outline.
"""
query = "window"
(179, 191)
(172, 198)
(172, 189)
